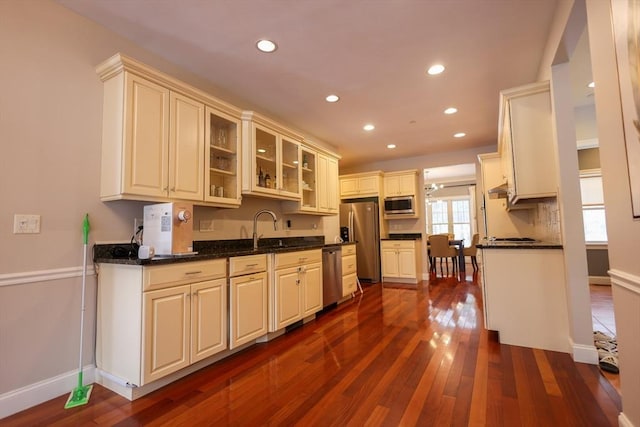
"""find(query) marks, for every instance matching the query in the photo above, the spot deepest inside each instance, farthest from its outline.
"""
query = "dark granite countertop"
(518, 245)
(210, 249)
(403, 236)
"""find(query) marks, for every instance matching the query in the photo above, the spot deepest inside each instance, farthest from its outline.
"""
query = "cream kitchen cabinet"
(360, 185)
(153, 137)
(319, 184)
(185, 324)
(526, 142)
(222, 158)
(401, 261)
(402, 183)
(499, 216)
(271, 157)
(328, 200)
(153, 142)
(248, 299)
(532, 310)
(155, 320)
(296, 287)
(310, 181)
(349, 270)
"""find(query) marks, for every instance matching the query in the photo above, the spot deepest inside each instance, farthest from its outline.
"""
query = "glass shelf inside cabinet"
(223, 141)
(290, 163)
(309, 199)
(266, 169)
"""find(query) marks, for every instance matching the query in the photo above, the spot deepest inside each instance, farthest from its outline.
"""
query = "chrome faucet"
(255, 225)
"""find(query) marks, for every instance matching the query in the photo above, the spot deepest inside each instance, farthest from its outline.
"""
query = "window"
(593, 214)
(450, 215)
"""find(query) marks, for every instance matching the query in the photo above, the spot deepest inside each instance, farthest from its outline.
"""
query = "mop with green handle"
(80, 394)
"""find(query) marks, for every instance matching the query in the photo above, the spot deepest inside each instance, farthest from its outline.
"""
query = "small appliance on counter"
(167, 228)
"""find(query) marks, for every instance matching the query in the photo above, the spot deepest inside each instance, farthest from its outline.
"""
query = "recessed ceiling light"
(265, 45)
(332, 98)
(391, 146)
(368, 127)
(262, 150)
(459, 135)
(435, 69)
(451, 110)
(592, 84)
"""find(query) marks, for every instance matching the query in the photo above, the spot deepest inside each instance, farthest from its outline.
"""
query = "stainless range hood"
(499, 192)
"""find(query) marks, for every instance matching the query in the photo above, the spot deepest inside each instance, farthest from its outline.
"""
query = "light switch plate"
(26, 224)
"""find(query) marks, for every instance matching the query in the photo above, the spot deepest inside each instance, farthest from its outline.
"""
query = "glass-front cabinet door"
(309, 184)
(271, 159)
(266, 159)
(222, 133)
(290, 172)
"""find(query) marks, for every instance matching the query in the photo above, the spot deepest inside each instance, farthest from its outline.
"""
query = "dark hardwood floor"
(397, 355)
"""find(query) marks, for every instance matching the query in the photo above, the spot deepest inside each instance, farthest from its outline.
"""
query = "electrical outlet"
(137, 223)
(26, 224)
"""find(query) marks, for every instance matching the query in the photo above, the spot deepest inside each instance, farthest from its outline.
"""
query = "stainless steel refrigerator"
(359, 222)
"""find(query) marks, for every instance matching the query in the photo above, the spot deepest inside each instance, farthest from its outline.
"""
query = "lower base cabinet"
(349, 270)
(524, 297)
(153, 321)
(184, 325)
(296, 287)
(247, 308)
(248, 299)
(401, 261)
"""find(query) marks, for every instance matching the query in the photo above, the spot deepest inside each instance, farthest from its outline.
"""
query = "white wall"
(623, 231)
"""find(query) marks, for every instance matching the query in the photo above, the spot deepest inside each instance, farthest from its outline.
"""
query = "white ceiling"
(372, 53)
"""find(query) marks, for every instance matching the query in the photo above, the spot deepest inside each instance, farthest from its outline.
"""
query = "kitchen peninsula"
(524, 294)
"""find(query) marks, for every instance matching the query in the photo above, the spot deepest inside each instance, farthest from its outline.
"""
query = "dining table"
(459, 243)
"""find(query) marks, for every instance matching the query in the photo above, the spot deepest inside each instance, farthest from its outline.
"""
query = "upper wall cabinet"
(360, 185)
(271, 158)
(222, 176)
(401, 183)
(153, 138)
(319, 184)
(328, 200)
(526, 142)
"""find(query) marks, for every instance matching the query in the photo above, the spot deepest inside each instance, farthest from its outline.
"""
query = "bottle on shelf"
(260, 179)
(305, 162)
(267, 180)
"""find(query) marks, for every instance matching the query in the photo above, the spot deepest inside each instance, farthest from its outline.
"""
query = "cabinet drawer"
(247, 264)
(288, 259)
(348, 264)
(397, 244)
(348, 250)
(349, 284)
(163, 276)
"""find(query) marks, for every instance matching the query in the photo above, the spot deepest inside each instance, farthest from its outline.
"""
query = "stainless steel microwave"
(401, 205)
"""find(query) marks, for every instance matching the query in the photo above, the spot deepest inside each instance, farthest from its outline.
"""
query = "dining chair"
(439, 248)
(472, 251)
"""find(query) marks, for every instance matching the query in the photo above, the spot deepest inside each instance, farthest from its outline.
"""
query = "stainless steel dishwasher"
(331, 274)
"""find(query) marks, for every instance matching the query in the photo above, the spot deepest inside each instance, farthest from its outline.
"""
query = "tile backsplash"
(547, 221)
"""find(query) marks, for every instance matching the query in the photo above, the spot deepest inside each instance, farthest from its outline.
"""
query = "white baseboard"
(599, 280)
(585, 353)
(623, 421)
(35, 394)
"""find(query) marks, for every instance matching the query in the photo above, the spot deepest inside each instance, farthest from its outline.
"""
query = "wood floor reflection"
(397, 355)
